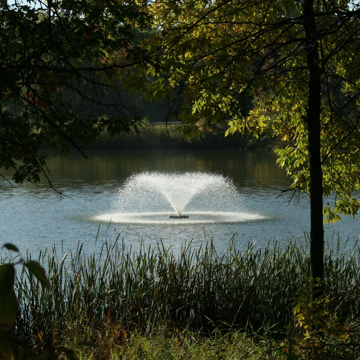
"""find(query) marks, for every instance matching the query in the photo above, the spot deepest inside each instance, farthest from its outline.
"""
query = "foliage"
(56, 77)
(153, 304)
(118, 292)
(322, 335)
(166, 136)
(165, 344)
(285, 67)
(247, 62)
(9, 343)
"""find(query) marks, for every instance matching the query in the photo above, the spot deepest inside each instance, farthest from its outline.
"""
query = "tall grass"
(197, 289)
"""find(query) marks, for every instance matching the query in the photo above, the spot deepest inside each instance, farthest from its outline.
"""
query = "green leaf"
(39, 272)
(7, 278)
(9, 246)
(8, 310)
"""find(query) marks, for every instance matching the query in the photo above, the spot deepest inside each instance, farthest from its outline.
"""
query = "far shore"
(162, 135)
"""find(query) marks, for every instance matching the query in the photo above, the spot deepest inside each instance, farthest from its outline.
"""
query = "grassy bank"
(122, 301)
(186, 346)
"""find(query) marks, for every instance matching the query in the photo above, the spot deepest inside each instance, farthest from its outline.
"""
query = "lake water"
(35, 218)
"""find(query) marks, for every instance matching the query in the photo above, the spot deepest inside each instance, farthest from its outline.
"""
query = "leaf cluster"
(9, 307)
(54, 63)
(245, 64)
(321, 334)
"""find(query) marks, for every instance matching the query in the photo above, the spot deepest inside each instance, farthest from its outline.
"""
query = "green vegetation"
(283, 66)
(289, 68)
(57, 88)
(164, 345)
(162, 136)
(197, 302)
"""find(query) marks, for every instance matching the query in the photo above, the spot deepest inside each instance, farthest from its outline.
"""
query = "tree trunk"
(313, 124)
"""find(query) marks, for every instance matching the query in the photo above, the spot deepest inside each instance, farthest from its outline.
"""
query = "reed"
(196, 289)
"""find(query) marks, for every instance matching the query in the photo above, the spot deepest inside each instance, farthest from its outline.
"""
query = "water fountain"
(148, 196)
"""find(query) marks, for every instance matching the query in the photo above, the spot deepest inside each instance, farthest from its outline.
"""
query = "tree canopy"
(54, 73)
(286, 67)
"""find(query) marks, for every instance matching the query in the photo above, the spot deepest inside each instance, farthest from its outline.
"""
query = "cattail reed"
(196, 289)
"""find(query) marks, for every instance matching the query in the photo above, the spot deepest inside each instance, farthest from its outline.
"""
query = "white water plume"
(147, 198)
(178, 188)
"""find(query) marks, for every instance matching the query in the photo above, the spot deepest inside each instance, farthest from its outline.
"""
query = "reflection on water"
(33, 217)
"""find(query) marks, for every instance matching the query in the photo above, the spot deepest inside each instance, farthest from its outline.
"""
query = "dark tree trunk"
(313, 124)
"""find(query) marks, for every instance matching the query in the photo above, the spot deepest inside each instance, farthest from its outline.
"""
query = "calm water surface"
(34, 217)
